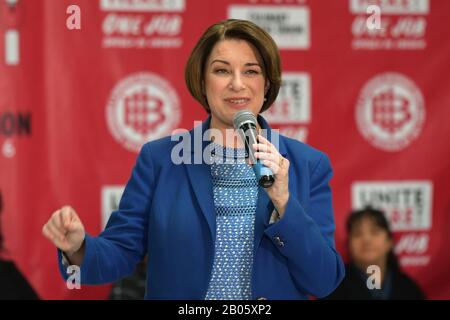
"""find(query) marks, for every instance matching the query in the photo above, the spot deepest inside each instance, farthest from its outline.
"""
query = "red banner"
(85, 83)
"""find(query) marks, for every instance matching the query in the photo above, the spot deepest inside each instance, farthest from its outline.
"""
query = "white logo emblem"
(142, 107)
(390, 111)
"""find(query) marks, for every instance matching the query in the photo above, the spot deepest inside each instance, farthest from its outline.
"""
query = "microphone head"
(242, 117)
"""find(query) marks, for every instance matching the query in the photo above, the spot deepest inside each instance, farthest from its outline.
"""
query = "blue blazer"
(167, 211)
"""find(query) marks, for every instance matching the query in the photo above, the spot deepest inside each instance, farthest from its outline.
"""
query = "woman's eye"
(220, 71)
(252, 72)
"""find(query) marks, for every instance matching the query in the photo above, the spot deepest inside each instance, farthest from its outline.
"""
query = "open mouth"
(237, 102)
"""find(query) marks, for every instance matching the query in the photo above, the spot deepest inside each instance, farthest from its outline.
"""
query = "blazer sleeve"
(306, 238)
(116, 251)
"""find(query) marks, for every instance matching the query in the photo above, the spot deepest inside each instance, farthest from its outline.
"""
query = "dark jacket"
(13, 286)
(354, 287)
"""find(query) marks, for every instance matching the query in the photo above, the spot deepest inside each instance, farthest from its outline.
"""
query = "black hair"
(379, 218)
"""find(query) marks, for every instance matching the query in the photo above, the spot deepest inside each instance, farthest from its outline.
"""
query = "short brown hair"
(234, 29)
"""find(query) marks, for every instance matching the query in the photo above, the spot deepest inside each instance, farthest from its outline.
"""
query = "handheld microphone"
(244, 123)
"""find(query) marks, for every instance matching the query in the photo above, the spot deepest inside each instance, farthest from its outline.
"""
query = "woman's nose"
(366, 239)
(236, 83)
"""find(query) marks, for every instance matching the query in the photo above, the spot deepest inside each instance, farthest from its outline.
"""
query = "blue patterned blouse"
(235, 196)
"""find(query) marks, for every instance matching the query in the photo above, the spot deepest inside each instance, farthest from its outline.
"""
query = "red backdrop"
(376, 100)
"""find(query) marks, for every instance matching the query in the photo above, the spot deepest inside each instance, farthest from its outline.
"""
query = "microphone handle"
(263, 174)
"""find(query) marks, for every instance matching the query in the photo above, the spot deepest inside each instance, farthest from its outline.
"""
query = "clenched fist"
(65, 230)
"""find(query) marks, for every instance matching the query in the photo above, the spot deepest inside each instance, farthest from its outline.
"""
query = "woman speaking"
(209, 229)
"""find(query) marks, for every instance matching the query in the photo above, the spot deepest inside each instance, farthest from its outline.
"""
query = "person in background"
(13, 286)
(131, 287)
(370, 242)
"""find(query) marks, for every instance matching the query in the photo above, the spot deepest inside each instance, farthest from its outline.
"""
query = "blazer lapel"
(199, 174)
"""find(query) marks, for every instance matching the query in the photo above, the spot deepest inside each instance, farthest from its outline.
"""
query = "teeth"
(238, 101)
